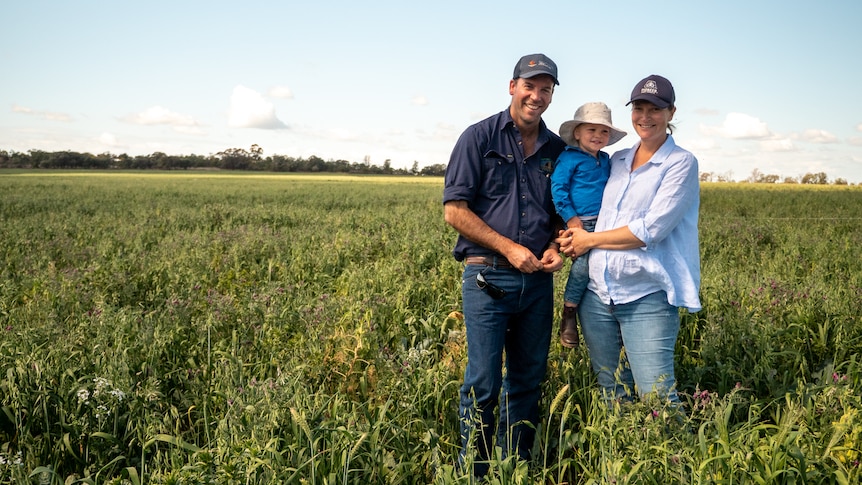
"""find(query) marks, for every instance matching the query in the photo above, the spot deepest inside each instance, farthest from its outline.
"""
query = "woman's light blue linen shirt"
(659, 203)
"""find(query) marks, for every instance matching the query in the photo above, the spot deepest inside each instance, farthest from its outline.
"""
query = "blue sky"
(767, 85)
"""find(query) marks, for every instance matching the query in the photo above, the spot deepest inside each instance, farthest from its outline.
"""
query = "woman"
(645, 260)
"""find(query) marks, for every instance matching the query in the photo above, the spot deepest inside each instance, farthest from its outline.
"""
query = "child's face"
(592, 138)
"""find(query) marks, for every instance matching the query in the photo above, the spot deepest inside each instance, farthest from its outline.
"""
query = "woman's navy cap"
(655, 89)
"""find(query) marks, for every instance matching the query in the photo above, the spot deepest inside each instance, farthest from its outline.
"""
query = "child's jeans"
(579, 273)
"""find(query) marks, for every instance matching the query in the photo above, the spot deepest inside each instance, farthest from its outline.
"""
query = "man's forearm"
(469, 225)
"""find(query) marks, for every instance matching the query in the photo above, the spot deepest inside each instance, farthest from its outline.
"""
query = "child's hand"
(574, 223)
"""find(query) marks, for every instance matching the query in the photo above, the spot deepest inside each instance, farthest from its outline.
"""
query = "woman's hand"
(573, 242)
(564, 240)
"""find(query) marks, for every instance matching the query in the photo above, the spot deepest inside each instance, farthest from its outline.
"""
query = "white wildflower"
(101, 385)
(102, 411)
(4, 460)
(83, 396)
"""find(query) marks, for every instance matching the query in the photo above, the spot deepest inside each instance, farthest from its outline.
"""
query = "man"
(497, 196)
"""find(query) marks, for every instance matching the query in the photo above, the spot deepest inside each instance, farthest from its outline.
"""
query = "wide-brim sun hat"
(596, 113)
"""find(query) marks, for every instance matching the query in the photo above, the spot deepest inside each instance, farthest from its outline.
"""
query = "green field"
(235, 328)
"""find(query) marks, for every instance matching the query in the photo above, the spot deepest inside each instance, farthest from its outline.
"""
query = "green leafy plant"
(261, 328)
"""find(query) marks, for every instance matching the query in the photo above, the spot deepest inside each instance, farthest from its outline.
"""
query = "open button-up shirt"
(511, 193)
(659, 203)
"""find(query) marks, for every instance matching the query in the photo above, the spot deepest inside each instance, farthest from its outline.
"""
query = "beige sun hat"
(596, 113)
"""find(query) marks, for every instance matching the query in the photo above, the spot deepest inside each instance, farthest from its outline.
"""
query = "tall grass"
(210, 328)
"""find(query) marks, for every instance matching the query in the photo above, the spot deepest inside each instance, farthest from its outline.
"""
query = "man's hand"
(551, 260)
(523, 260)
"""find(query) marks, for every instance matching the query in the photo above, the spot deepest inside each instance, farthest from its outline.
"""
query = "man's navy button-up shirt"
(512, 194)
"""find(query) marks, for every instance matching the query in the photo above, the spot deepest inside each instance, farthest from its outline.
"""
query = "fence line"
(787, 218)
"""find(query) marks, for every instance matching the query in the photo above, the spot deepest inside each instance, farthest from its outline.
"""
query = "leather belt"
(497, 261)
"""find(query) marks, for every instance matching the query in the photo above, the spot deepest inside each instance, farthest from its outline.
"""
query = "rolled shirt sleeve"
(510, 193)
(659, 203)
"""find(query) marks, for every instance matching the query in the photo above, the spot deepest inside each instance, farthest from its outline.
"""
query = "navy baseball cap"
(534, 65)
(655, 89)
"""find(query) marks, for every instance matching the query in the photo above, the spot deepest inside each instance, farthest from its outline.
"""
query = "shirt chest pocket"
(499, 173)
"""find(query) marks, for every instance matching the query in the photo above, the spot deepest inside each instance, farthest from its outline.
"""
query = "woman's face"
(649, 121)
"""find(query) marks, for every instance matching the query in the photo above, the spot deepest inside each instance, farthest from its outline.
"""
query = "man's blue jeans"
(519, 323)
(647, 329)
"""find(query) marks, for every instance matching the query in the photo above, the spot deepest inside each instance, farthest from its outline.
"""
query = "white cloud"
(777, 145)
(190, 130)
(108, 139)
(442, 132)
(340, 134)
(47, 115)
(158, 115)
(707, 112)
(859, 127)
(56, 116)
(282, 92)
(701, 144)
(739, 126)
(476, 115)
(419, 100)
(249, 109)
(818, 136)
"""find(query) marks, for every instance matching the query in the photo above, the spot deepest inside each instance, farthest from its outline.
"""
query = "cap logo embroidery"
(536, 64)
(649, 88)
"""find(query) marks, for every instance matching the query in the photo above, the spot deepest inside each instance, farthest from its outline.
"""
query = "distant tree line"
(758, 177)
(253, 160)
(230, 159)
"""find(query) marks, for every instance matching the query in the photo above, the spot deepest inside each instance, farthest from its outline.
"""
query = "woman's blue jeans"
(519, 324)
(632, 345)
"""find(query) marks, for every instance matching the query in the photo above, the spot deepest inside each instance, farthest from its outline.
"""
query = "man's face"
(530, 98)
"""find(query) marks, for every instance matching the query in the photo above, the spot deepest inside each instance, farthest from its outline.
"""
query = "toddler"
(577, 184)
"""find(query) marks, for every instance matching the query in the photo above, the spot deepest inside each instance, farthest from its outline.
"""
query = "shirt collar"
(508, 122)
(660, 156)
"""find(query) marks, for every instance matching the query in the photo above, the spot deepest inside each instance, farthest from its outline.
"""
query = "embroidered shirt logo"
(547, 166)
(649, 88)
